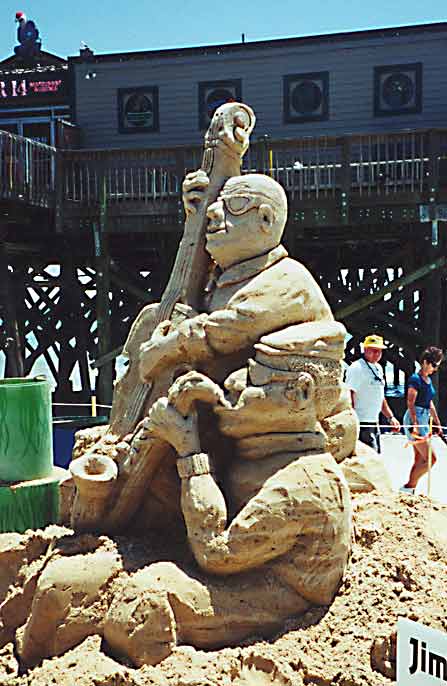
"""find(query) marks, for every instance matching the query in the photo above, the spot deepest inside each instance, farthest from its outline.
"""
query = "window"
(213, 94)
(138, 109)
(306, 97)
(398, 89)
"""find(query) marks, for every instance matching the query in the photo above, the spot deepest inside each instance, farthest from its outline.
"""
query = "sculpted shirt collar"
(246, 270)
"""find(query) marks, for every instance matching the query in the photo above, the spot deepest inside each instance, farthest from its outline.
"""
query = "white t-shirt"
(368, 384)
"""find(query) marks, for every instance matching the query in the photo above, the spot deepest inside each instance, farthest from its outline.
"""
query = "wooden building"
(34, 99)
(385, 80)
(351, 124)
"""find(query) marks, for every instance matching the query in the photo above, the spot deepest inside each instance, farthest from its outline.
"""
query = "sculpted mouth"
(214, 229)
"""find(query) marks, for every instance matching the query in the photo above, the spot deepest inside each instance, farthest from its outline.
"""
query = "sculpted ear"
(266, 217)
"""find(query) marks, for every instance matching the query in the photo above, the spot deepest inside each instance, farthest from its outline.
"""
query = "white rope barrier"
(78, 405)
(60, 420)
(388, 426)
(93, 406)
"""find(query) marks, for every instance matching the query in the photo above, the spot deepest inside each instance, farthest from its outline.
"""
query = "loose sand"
(398, 568)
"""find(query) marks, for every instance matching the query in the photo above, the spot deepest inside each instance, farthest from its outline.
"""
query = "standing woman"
(416, 420)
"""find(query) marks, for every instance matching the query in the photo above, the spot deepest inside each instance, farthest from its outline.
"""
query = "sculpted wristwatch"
(193, 465)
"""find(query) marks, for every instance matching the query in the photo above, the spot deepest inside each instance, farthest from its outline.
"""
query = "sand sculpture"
(233, 421)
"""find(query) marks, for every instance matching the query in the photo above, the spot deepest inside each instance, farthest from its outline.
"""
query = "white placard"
(421, 655)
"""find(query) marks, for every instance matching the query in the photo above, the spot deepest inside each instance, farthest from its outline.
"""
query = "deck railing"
(309, 168)
(366, 165)
(27, 171)
(376, 164)
(142, 176)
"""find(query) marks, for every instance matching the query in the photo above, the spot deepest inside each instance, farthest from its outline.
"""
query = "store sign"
(421, 655)
(31, 88)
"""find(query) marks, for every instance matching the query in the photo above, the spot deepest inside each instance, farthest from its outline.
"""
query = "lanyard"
(374, 373)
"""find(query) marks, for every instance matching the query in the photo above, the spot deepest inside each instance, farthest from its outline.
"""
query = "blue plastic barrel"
(64, 429)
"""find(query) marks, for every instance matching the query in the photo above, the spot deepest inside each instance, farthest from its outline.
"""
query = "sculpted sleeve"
(304, 501)
(284, 294)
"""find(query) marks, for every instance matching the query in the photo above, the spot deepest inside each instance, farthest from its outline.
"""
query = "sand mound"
(398, 568)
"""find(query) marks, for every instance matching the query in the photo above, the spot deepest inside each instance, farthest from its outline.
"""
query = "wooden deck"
(329, 181)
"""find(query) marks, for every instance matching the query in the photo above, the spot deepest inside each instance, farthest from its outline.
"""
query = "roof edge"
(433, 27)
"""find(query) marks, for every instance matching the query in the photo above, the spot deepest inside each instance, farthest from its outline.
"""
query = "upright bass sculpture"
(110, 491)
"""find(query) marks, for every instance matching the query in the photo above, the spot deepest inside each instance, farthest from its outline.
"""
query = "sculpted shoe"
(406, 489)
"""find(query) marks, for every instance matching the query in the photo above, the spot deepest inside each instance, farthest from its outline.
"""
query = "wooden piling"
(8, 296)
(104, 386)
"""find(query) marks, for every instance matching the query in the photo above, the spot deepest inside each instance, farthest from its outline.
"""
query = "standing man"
(365, 380)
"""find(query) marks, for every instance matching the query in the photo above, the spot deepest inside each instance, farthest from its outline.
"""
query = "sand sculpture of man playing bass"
(253, 408)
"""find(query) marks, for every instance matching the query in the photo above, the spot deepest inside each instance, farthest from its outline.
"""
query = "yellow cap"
(374, 341)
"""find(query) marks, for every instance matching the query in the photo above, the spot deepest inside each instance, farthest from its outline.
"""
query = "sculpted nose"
(215, 211)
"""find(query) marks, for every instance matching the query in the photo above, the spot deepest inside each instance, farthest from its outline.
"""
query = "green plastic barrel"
(26, 450)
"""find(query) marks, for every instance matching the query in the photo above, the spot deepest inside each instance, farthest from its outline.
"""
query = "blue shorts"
(423, 419)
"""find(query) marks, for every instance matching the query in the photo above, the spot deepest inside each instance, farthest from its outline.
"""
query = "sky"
(126, 25)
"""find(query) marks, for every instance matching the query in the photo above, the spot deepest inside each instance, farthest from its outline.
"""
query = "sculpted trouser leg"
(162, 605)
(255, 603)
(306, 502)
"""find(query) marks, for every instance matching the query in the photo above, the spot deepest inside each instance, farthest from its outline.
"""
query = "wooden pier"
(366, 214)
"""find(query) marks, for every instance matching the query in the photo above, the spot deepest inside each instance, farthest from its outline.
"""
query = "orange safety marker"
(420, 439)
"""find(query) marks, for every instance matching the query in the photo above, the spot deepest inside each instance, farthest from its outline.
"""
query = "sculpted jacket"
(247, 301)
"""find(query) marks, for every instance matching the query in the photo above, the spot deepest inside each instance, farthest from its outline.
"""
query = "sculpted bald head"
(247, 219)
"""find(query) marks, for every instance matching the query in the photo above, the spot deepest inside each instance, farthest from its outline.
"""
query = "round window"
(397, 90)
(306, 97)
(216, 98)
(138, 110)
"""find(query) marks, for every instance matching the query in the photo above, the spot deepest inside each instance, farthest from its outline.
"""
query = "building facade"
(34, 98)
(340, 84)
